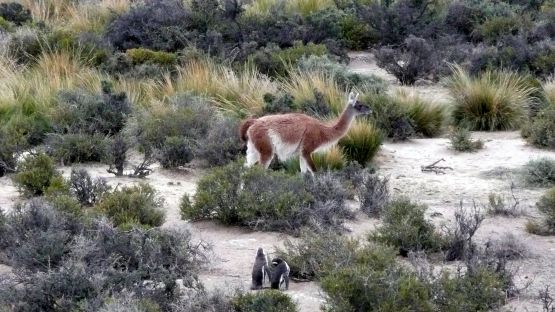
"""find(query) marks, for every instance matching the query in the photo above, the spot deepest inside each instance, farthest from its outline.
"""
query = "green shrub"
(364, 288)
(496, 100)
(356, 33)
(270, 300)
(546, 206)
(480, 290)
(428, 118)
(87, 191)
(540, 130)
(495, 28)
(133, 205)
(175, 152)
(222, 144)
(344, 77)
(390, 116)
(461, 140)
(404, 226)
(77, 148)
(361, 143)
(142, 56)
(267, 200)
(540, 172)
(5, 25)
(36, 173)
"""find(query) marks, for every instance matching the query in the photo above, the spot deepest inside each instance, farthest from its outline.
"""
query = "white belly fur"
(282, 149)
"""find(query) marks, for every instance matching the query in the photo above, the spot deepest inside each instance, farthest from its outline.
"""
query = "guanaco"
(289, 135)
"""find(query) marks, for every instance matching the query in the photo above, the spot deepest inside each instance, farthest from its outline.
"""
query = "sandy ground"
(473, 177)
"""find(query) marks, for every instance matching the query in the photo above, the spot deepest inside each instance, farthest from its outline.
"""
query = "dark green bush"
(267, 200)
(175, 152)
(105, 113)
(270, 300)
(404, 226)
(495, 28)
(363, 288)
(461, 140)
(86, 190)
(77, 147)
(540, 172)
(135, 205)
(540, 130)
(36, 174)
(389, 116)
(274, 105)
(15, 13)
(222, 144)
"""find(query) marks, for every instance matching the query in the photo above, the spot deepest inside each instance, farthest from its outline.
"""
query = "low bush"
(154, 25)
(509, 247)
(87, 191)
(546, 206)
(36, 174)
(146, 56)
(104, 113)
(176, 151)
(345, 78)
(405, 227)
(415, 59)
(268, 201)
(315, 255)
(278, 104)
(86, 264)
(496, 100)
(457, 242)
(539, 172)
(270, 300)
(15, 13)
(135, 205)
(221, 145)
(461, 140)
(540, 130)
(498, 205)
(362, 142)
(77, 148)
(372, 192)
(390, 117)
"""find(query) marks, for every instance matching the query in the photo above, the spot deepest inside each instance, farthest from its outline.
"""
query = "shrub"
(546, 206)
(497, 27)
(268, 201)
(282, 104)
(540, 172)
(93, 114)
(315, 255)
(427, 118)
(156, 25)
(540, 130)
(361, 143)
(15, 13)
(405, 227)
(461, 140)
(36, 173)
(77, 148)
(344, 77)
(222, 144)
(390, 116)
(372, 193)
(493, 101)
(415, 59)
(270, 300)
(133, 205)
(498, 205)
(176, 151)
(87, 191)
(509, 247)
(142, 56)
(458, 242)
(361, 287)
(84, 263)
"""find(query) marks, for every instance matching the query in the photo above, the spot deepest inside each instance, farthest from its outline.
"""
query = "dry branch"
(434, 168)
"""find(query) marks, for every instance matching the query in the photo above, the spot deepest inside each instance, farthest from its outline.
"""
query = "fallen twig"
(434, 168)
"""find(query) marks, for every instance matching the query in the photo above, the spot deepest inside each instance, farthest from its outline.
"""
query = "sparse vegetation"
(270, 300)
(539, 172)
(546, 206)
(461, 140)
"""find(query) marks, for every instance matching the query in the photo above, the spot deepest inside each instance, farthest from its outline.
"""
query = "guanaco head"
(356, 106)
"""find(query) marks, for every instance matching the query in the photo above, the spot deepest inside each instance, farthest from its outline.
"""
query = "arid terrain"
(472, 178)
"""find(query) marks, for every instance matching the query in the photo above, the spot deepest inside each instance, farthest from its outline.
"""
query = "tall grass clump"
(362, 142)
(307, 7)
(461, 140)
(305, 86)
(239, 92)
(495, 100)
(333, 159)
(539, 130)
(427, 117)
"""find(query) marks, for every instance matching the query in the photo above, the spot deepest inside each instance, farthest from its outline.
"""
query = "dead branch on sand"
(434, 168)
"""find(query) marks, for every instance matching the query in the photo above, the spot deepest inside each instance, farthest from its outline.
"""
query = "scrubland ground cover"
(140, 85)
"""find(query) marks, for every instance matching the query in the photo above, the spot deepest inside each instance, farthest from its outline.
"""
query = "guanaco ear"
(352, 98)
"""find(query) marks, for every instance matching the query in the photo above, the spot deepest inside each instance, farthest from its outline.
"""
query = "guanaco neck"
(341, 125)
